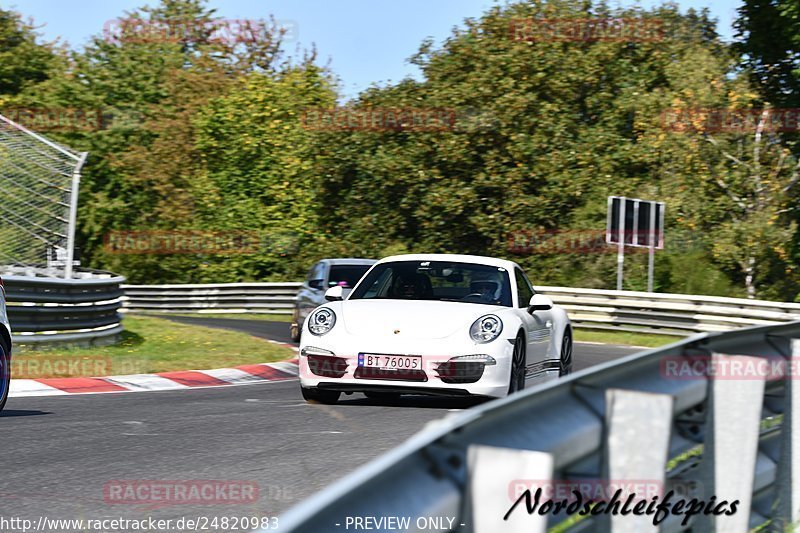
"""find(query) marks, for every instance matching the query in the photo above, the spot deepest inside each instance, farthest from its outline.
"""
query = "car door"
(539, 327)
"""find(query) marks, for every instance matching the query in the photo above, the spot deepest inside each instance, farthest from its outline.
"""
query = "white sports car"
(434, 324)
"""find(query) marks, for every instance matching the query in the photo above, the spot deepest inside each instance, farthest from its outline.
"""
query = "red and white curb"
(186, 379)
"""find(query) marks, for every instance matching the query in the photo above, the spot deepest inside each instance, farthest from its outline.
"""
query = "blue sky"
(366, 41)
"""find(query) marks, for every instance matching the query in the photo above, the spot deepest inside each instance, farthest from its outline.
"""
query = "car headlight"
(475, 358)
(311, 350)
(321, 321)
(486, 329)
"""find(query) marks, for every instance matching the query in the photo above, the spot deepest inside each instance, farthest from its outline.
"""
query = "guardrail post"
(73, 215)
(732, 433)
(499, 477)
(639, 425)
(789, 465)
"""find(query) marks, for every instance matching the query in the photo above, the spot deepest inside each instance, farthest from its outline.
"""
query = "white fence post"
(732, 434)
(789, 464)
(73, 215)
(639, 425)
(494, 475)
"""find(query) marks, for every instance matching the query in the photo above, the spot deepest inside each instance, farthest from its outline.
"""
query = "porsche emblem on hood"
(396, 331)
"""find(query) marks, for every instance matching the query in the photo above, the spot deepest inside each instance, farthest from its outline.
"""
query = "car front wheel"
(517, 379)
(294, 329)
(5, 376)
(565, 366)
(328, 397)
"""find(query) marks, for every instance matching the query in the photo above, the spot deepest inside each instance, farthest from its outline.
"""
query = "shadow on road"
(22, 412)
(419, 401)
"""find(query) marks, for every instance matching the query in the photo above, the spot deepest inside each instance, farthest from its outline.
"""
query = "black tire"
(294, 329)
(328, 397)
(517, 374)
(378, 395)
(565, 362)
(5, 376)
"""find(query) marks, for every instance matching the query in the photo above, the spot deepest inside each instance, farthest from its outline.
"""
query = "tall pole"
(621, 243)
(73, 216)
(652, 252)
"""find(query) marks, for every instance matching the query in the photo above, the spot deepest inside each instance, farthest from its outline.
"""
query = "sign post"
(637, 223)
(651, 253)
(621, 243)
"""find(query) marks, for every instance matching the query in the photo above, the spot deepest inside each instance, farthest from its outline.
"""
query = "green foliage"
(768, 34)
(210, 135)
(23, 60)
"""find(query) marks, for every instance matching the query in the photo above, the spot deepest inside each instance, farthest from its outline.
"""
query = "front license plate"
(390, 362)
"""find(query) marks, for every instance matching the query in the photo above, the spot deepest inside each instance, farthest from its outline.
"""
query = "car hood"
(410, 319)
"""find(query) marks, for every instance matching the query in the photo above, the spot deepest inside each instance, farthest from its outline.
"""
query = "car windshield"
(443, 281)
(346, 275)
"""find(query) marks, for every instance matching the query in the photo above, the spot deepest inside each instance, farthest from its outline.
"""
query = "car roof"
(350, 261)
(457, 258)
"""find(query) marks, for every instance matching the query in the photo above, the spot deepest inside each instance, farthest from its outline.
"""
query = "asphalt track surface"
(58, 453)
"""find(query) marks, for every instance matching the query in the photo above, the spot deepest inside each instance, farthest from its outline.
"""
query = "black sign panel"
(636, 216)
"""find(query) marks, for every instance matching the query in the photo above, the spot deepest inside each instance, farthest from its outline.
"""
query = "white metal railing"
(272, 298)
(666, 313)
(676, 314)
(728, 436)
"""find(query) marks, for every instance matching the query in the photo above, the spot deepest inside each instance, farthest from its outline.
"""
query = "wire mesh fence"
(38, 201)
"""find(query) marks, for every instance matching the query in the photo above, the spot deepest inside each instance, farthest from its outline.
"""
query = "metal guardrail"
(626, 420)
(674, 314)
(81, 310)
(677, 314)
(272, 298)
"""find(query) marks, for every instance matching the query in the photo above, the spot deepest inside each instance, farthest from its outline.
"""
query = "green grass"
(236, 316)
(581, 335)
(624, 337)
(151, 345)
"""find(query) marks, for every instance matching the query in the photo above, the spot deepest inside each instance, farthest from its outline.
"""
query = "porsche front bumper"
(332, 362)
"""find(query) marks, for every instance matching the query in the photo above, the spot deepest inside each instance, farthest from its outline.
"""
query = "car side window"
(380, 287)
(315, 277)
(311, 271)
(528, 281)
(524, 289)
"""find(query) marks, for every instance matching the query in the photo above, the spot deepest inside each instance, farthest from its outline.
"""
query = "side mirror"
(316, 284)
(335, 294)
(539, 302)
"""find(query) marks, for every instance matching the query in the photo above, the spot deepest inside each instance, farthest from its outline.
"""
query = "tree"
(24, 61)
(258, 169)
(544, 131)
(768, 37)
(758, 179)
(152, 73)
